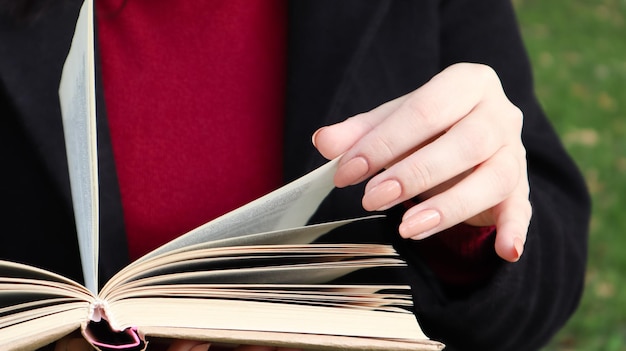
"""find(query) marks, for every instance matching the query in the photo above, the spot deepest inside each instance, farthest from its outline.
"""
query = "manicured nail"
(418, 224)
(351, 172)
(518, 245)
(381, 196)
(314, 137)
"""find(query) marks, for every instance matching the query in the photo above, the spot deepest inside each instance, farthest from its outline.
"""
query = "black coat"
(344, 57)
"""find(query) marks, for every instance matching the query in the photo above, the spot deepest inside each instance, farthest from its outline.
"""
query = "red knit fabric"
(194, 96)
(461, 256)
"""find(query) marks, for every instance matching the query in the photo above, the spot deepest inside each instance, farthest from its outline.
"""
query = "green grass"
(578, 49)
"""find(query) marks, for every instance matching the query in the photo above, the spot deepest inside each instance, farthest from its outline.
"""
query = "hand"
(454, 142)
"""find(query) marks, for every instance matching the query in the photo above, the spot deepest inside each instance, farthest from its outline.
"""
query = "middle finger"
(467, 144)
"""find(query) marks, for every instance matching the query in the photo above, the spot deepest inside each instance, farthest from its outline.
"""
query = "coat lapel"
(31, 59)
(348, 57)
(327, 41)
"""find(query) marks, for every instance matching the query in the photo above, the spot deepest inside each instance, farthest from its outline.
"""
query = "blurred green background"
(578, 49)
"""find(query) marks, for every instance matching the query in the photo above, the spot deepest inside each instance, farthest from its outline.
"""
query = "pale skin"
(455, 143)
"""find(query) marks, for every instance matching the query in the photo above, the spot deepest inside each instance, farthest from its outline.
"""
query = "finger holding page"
(458, 130)
(387, 134)
(334, 140)
(478, 199)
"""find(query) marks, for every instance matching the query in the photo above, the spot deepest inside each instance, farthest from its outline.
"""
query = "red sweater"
(194, 95)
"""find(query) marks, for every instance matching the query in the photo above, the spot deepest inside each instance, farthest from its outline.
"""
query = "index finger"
(423, 115)
(334, 140)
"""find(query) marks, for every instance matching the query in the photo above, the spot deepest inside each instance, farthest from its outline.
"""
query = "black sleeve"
(525, 303)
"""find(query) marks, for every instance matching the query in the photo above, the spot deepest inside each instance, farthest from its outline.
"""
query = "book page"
(41, 331)
(78, 108)
(318, 342)
(390, 298)
(259, 316)
(302, 264)
(298, 235)
(295, 235)
(37, 306)
(289, 206)
(26, 291)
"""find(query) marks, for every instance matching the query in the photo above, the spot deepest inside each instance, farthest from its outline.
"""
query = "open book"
(253, 276)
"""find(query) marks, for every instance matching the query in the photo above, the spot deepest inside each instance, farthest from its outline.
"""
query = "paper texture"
(77, 97)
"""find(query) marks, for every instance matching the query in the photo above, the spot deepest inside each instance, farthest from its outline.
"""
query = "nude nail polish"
(382, 196)
(417, 225)
(351, 172)
(518, 245)
(314, 136)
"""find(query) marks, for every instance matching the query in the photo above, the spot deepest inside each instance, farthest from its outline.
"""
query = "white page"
(78, 107)
(259, 316)
(295, 235)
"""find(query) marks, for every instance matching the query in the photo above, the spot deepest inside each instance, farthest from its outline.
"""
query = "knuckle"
(517, 113)
(528, 210)
(379, 148)
(523, 213)
(505, 177)
(526, 206)
(420, 177)
(423, 113)
(460, 211)
(482, 73)
(359, 120)
(475, 144)
(486, 72)
(516, 118)
(521, 150)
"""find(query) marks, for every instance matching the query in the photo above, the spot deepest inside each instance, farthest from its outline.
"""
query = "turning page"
(77, 96)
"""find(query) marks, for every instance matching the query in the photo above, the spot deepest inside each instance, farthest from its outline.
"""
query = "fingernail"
(314, 137)
(418, 224)
(201, 347)
(518, 245)
(351, 172)
(381, 196)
